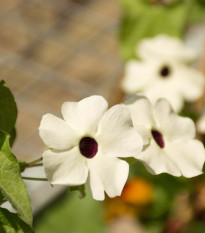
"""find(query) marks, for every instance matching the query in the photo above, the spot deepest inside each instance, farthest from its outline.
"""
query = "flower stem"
(34, 178)
(34, 163)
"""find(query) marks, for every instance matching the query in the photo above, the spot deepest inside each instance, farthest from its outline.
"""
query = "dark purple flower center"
(88, 147)
(165, 71)
(158, 137)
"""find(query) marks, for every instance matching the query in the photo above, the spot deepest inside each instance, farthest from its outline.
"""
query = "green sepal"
(80, 189)
(22, 164)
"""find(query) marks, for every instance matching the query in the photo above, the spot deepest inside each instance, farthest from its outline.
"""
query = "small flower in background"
(169, 139)
(163, 72)
(87, 143)
(165, 47)
(163, 79)
(201, 124)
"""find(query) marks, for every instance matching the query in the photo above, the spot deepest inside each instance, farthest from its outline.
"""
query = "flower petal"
(166, 89)
(137, 76)
(141, 112)
(117, 135)
(189, 156)
(173, 127)
(201, 124)
(56, 133)
(96, 185)
(85, 114)
(107, 174)
(142, 117)
(164, 46)
(156, 160)
(191, 82)
(66, 168)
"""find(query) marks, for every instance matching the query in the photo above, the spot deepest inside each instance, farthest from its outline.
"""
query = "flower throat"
(165, 71)
(158, 137)
(88, 147)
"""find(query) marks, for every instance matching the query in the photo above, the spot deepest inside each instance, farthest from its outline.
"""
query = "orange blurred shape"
(136, 194)
(137, 191)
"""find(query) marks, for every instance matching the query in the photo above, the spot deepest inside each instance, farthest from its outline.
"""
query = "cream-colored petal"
(188, 155)
(166, 89)
(142, 117)
(173, 127)
(107, 174)
(116, 135)
(65, 168)
(164, 46)
(137, 76)
(141, 112)
(156, 160)
(85, 114)
(201, 124)
(96, 185)
(56, 133)
(191, 83)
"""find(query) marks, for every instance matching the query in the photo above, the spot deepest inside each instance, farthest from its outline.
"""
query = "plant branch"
(34, 163)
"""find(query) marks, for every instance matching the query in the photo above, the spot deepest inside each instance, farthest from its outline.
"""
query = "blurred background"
(55, 51)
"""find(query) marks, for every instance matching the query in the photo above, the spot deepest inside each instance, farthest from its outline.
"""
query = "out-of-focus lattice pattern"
(55, 51)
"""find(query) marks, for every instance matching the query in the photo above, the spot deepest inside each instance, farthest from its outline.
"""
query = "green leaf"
(12, 136)
(8, 109)
(11, 223)
(11, 183)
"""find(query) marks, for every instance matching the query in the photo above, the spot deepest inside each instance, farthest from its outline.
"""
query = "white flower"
(163, 78)
(164, 46)
(87, 143)
(170, 144)
(201, 124)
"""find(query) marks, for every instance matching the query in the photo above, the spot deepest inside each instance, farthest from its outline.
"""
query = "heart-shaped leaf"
(11, 183)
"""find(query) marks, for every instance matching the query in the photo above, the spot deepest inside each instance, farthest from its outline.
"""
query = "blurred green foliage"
(166, 188)
(72, 215)
(142, 19)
